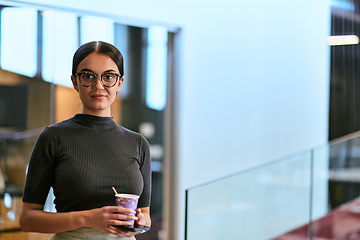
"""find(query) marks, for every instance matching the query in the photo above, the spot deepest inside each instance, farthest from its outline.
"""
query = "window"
(60, 41)
(156, 69)
(19, 40)
(96, 29)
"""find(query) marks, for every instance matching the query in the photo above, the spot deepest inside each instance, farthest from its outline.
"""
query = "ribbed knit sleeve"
(41, 169)
(145, 169)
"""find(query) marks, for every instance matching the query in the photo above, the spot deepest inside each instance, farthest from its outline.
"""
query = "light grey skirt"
(87, 233)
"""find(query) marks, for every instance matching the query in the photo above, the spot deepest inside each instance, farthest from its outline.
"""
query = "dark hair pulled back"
(101, 48)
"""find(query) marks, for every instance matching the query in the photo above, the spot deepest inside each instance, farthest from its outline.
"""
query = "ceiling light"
(342, 40)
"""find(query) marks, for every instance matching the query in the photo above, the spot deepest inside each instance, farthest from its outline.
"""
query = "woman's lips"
(98, 96)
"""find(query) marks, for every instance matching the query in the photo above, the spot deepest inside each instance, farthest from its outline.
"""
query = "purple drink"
(127, 201)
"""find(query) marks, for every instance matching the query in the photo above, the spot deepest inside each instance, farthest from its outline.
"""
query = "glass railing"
(310, 195)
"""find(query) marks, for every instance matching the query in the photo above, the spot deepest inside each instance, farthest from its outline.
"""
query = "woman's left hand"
(141, 218)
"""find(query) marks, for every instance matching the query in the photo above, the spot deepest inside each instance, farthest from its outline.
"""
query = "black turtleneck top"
(82, 158)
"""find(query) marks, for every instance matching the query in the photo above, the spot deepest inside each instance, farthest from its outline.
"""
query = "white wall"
(254, 79)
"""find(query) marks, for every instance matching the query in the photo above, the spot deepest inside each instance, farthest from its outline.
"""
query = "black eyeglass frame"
(118, 76)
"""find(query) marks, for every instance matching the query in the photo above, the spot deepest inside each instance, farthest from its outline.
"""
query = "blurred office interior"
(217, 88)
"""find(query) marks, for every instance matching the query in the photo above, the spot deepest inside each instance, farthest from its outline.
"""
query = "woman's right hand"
(104, 218)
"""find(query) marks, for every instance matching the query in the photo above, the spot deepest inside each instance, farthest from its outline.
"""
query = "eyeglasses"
(88, 79)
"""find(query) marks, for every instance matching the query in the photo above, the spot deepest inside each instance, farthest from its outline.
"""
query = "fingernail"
(136, 218)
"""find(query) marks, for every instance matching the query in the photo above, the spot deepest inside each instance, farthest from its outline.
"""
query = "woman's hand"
(106, 218)
(141, 218)
(143, 215)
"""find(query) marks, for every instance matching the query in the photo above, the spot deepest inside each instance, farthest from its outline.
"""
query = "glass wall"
(252, 205)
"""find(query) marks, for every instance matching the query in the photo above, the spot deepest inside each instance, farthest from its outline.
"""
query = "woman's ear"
(121, 80)
(75, 85)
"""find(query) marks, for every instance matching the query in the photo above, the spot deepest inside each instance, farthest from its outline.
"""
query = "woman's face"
(97, 99)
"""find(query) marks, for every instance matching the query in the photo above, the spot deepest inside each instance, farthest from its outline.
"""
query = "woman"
(83, 157)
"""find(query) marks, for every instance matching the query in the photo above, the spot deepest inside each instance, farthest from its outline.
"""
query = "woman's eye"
(108, 76)
(88, 76)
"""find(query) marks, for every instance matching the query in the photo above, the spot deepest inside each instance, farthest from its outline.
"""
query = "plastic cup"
(127, 201)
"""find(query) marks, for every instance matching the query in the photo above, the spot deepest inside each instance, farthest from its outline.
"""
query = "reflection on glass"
(342, 218)
(60, 41)
(19, 40)
(156, 69)
(96, 29)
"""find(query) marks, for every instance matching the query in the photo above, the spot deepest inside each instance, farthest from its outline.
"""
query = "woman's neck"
(99, 113)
